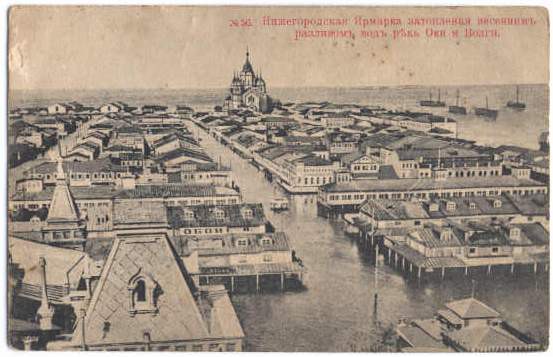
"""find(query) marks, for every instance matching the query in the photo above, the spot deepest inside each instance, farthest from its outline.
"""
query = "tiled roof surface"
(136, 211)
(227, 244)
(178, 317)
(206, 216)
(91, 166)
(484, 336)
(175, 190)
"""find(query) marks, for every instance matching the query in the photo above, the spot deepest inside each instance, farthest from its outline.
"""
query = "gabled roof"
(183, 152)
(178, 316)
(470, 308)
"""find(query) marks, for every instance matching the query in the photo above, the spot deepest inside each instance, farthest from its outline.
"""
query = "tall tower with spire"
(63, 224)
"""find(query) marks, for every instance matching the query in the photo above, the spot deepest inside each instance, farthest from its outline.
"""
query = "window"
(188, 214)
(231, 347)
(495, 249)
(140, 291)
(472, 250)
(267, 258)
(143, 294)
(219, 214)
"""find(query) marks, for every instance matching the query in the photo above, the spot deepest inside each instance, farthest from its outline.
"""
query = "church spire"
(247, 68)
(62, 205)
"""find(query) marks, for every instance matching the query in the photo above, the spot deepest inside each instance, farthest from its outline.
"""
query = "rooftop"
(216, 216)
(422, 184)
(229, 244)
(470, 308)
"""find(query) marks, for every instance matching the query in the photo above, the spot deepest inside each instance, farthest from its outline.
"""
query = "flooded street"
(336, 309)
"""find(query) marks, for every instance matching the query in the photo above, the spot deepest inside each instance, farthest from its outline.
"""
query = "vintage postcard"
(226, 178)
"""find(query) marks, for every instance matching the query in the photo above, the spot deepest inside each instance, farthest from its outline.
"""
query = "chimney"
(45, 311)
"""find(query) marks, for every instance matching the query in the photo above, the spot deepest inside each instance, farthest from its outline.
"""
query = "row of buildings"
(134, 245)
(404, 179)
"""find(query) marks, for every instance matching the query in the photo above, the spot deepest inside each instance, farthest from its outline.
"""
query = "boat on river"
(432, 103)
(457, 109)
(516, 104)
(486, 112)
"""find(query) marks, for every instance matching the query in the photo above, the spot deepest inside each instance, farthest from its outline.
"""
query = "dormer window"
(219, 214)
(266, 241)
(143, 294)
(188, 214)
(451, 206)
(497, 203)
(472, 205)
(433, 207)
(247, 213)
(514, 233)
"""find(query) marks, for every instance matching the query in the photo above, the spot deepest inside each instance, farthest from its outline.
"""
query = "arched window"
(143, 294)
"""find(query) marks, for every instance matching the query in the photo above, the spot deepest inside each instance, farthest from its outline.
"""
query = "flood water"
(336, 309)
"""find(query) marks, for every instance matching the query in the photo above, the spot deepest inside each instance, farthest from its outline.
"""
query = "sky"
(195, 47)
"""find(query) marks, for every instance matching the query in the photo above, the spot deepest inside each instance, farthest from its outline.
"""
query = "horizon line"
(279, 87)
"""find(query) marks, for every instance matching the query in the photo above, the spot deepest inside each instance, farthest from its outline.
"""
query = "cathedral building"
(248, 91)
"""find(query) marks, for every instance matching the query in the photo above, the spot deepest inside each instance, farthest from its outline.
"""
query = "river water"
(336, 309)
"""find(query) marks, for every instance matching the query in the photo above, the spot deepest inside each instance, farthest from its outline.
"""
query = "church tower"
(247, 76)
(248, 90)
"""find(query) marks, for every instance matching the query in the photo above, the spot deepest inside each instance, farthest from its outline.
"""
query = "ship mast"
(457, 102)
